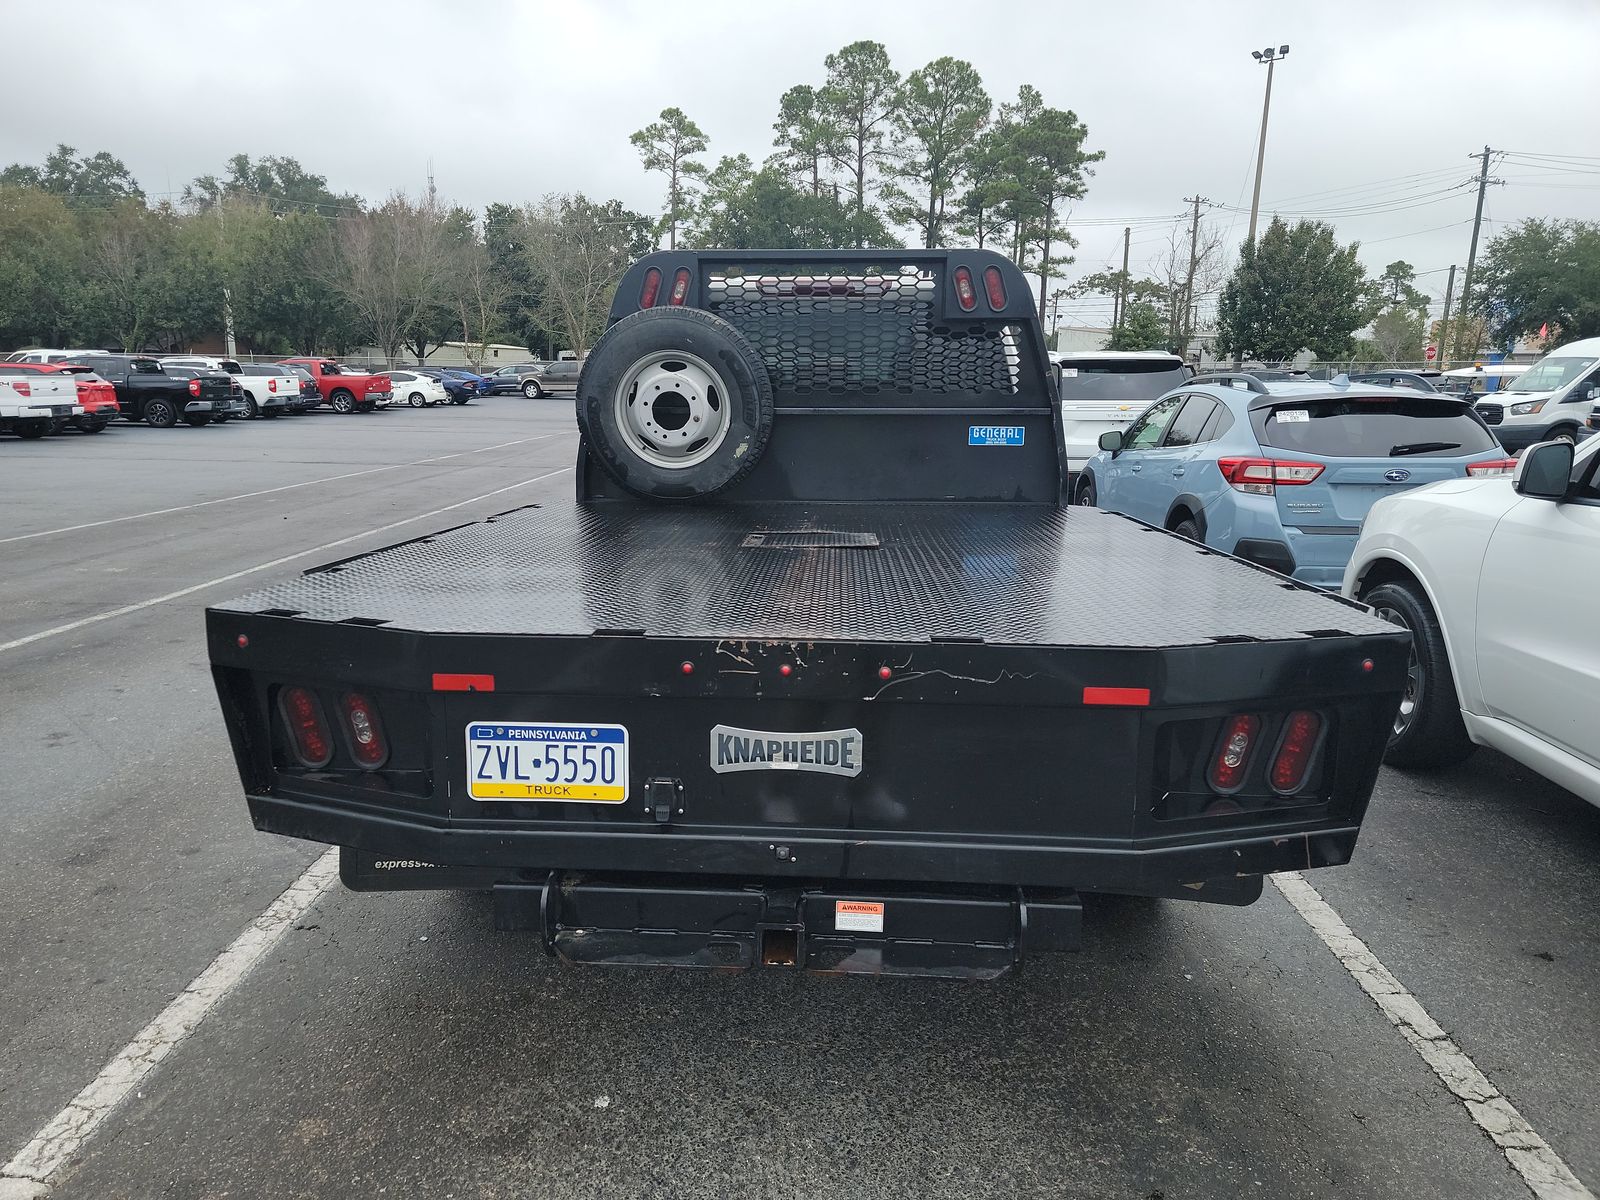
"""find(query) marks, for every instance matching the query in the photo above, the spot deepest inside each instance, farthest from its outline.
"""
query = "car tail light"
(965, 295)
(309, 737)
(1302, 733)
(272, 384)
(1232, 759)
(995, 287)
(1261, 476)
(680, 286)
(652, 285)
(367, 744)
(194, 387)
(21, 388)
(1493, 466)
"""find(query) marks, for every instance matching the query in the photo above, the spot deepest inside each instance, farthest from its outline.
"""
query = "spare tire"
(675, 404)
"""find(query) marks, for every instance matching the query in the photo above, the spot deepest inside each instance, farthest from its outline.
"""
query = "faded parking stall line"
(1541, 1168)
(126, 609)
(288, 487)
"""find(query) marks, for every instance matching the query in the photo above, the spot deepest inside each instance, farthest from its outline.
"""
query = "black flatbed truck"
(886, 704)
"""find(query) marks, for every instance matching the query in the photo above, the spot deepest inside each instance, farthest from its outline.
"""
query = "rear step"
(970, 934)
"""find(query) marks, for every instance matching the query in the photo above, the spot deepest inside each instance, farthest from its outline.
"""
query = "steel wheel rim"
(673, 409)
(1412, 697)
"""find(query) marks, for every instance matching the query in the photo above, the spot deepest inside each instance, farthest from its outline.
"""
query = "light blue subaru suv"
(1281, 473)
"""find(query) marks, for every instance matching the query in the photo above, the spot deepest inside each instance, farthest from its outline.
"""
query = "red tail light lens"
(21, 388)
(309, 737)
(966, 296)
(1232, 759)
(194, 387)
(1494, 466)
(1262, 476)
(272, 384)
(1302, 733)
(995, 287)
(680, 286)
(368, 746)
(652, 286)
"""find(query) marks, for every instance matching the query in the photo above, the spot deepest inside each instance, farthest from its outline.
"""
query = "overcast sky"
(1374, 113)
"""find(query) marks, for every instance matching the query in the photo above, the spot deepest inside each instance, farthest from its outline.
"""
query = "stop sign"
(1432, 353)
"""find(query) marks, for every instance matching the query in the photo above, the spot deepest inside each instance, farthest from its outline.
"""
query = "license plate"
(519, 761)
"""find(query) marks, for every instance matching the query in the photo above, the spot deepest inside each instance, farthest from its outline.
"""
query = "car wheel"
(343, 402)
(415, 400)
(532, 390)
(1187, 528)
(1565, 434)
(1086, 495)
(160, 414)
(252, 410)
(1428, 730)
(668, 423)
(200, 420)
(30, 430)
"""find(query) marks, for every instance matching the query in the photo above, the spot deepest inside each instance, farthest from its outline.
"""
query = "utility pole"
(1120, 311)
(1270, 56)
(1444, 321)
(1186, 329)
(1477, 222)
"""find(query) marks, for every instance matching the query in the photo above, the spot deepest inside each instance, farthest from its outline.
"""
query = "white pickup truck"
(1483, 571)
(31, 402)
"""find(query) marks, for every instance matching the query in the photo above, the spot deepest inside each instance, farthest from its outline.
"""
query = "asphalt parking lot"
(396, 1045)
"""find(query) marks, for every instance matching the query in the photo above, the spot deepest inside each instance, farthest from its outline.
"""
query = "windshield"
(1550, 374)
(1373, 428)
(1119, 379)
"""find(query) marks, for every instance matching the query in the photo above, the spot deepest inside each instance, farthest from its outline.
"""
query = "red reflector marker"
(1117, 697)
(1232, 758)
(463, 683)
(680, 286)
(308, 728)
(995, 287)
(965, 295)
(367, 744)
(652, 286)
(1301, 733)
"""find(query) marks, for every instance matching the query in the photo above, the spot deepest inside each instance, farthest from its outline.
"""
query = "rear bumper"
(196, 407)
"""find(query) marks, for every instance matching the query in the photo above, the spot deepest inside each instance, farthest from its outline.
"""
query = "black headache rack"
(865, 730)
(882, 365)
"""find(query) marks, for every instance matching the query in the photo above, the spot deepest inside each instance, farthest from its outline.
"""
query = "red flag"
(1544, 331)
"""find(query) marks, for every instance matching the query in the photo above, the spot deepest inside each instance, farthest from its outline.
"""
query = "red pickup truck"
(344, 390)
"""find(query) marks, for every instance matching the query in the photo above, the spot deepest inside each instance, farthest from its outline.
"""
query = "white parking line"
(17, 643)
(1541, 1168)
(288, 487)
(30, 1170)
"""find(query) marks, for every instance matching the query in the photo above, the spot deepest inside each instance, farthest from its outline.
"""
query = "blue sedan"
(1281, 474)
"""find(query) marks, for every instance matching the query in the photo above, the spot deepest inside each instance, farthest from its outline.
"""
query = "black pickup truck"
(819, 670)
(147, 393)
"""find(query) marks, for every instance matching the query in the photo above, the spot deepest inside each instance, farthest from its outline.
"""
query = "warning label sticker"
(858, 916)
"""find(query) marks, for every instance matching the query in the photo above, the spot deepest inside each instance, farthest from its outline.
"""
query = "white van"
(1550, 400)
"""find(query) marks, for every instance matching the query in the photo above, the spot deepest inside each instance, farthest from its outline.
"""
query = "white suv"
(1479, 570)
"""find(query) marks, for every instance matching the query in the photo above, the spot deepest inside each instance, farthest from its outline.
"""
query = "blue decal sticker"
(995, 435)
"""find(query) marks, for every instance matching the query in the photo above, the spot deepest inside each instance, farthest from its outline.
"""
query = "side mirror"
(1111, 440)
(1594, 393)
(1544, 471)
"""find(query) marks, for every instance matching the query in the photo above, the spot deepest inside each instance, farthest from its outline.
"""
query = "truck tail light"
(1232, 758)
(194, 387)
(680, 286)
(966, 295)
(1493, 466)
(652, 286)
(309, 736)
(368, 746)
(21, 388)
(995, 287)
(1263, 476)
(272, 384)
(1302, 734)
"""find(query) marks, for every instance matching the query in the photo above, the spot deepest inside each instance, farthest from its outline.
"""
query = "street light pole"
(1270, 56)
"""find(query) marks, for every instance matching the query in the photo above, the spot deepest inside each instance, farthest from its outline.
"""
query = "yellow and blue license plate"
(509, 760)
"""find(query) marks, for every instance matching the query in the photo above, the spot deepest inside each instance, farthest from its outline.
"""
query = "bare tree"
(394, 265)
(481, 294)
(1190, 267)
(578, 250)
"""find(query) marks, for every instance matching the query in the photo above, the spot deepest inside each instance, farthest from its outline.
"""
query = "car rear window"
(1373, 427)
(1119, 379)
